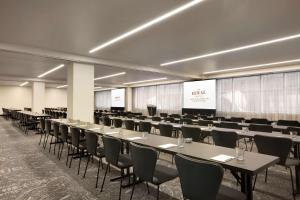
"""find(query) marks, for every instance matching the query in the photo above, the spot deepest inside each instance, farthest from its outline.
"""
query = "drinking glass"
(293, 134)
(239, 153)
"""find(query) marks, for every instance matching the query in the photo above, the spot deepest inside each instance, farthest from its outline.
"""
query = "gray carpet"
(29, 172)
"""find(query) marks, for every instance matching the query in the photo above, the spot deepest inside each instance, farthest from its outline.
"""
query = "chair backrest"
(287, 123)
(259, 121)
(236, 119)
(230, 125)
(198, 179)
(186, 120)
(56, 129)
(64, 132)
(118, 123)
(96, 119)
(106, 121)
(112, 149)
(261, 128)
(189, 116)
(163, 114)
(144, 161)
(145, 126)
(48, 125)
(219, 118)
(129, 124)
(191, 132)
(91, 142)
(224, 138)
(170, 119)
(275, 146)
(205, 122)
(156, 119)
(175, 116)
(165, 130)
(75, 134)
(141, 117)
(42, 124)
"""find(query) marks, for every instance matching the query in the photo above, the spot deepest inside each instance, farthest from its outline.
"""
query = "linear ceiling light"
(147, 25)
(62, 86)
(144, 81)
(106, 89)
(251, 67)
(52, 70)
(97, 88)
(233, 50)
(109, 76)
(23, 84)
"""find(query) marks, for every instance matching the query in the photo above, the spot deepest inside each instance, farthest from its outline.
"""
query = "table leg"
(297, 168)
(246, 185)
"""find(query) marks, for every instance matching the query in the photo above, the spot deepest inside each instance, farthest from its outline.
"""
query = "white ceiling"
(76, 26)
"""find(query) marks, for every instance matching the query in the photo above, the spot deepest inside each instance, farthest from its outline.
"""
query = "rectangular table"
(253, 163)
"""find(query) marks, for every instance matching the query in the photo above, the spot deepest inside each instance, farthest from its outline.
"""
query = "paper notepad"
(111, 133)
(222, 158)
(134, 138)
(166, 146)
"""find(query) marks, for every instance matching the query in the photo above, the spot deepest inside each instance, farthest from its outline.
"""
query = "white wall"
(15, 97)
(20, 97)
(55, 98)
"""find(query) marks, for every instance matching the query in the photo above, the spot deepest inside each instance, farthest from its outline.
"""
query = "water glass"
(144, 134)
(239, 153)
(180, 141)
(293, 134)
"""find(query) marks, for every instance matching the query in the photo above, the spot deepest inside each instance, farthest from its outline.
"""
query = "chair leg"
(98, 172)
(45, 140)
(61, 150)
(266, 176)
(55, 142)
(68, 155)
(251, 146)
(79, 165)
(245, 141)
(41, 137)
(104, 177)
(120, 191)
(147, 187)
(87, 163)
(50, 143)
(157, 193)
(253, 187)
(132, 191)
(71, 158)
(292, 182)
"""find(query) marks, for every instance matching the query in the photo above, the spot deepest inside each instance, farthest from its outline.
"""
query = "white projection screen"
(118, 98)
(199, 94)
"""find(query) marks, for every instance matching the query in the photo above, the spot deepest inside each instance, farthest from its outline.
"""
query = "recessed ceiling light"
(233, 50)
(23, 84)
(147, 25)
(144, 81)
(251, 67)
(62, 86)
(109, 76)
(52, 70)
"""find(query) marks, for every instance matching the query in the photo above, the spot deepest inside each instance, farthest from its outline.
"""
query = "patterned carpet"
(27, 171)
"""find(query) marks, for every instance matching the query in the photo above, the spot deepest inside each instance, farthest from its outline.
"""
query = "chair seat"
(100, 152)
(163, 174)
(124, 161)
(291, 162)
(227, 193)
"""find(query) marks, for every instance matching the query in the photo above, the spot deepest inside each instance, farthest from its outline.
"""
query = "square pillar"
(81, 92)
(38, 96)
(128, 99)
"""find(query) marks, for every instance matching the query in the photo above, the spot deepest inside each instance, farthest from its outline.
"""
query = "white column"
(81, 92)
(38, 96)
(128, 97)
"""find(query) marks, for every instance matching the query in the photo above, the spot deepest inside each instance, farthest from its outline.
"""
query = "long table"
(252, 164)
(34, 114)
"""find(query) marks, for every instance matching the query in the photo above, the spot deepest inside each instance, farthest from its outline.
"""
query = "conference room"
(137, 99)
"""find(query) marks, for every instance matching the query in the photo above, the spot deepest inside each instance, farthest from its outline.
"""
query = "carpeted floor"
(27, 171)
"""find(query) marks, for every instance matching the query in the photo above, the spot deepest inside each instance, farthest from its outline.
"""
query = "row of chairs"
(199, 180)
(23, 121)
(56, 114)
